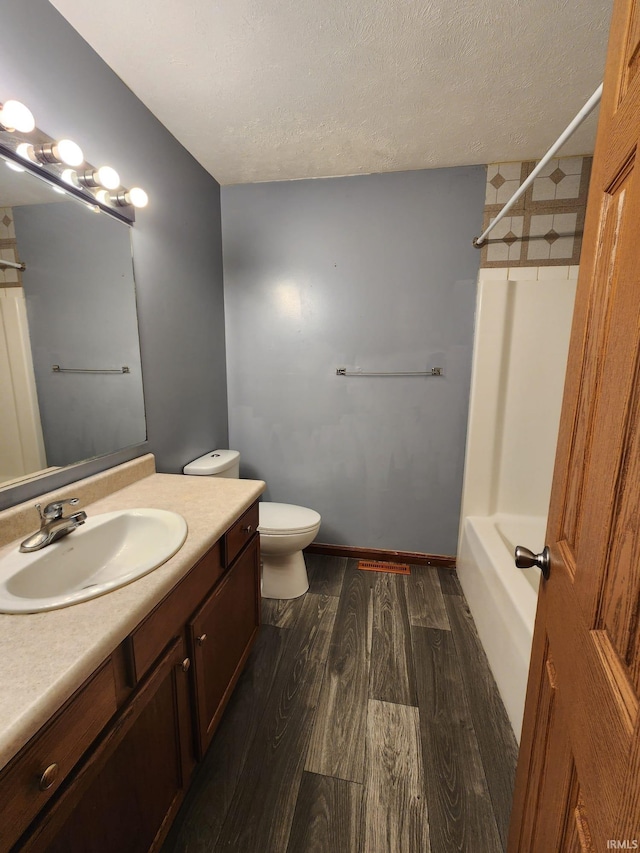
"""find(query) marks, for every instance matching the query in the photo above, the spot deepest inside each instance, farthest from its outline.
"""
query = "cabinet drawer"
(239, 534)
(167, 620)
(35, 775)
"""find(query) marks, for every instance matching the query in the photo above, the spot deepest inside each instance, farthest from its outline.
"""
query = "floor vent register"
(377, 566)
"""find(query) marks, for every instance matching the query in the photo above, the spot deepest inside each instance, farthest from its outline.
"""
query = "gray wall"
(376, 272)
(176, 240)
(81, 306)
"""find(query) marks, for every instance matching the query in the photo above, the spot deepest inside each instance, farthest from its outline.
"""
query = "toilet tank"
(216, 463)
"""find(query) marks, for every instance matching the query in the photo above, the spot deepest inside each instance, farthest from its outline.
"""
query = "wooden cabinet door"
(578, 779)
(127, 792)
(222, 633)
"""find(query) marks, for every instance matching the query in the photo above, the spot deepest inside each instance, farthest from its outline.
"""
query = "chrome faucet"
(53, 524)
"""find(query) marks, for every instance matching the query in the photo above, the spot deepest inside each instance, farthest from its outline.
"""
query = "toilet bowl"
(285, 529)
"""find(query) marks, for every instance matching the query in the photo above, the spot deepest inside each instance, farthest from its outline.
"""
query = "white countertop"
(47, 656)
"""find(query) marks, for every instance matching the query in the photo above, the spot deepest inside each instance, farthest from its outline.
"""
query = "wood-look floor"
(366, 721)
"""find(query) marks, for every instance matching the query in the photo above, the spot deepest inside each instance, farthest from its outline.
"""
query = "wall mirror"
(70, 372)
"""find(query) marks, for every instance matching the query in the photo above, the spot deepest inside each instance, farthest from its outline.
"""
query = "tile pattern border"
(9, 249)
(545, 225)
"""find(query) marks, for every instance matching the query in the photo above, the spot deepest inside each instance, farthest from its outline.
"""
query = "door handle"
(525, 559)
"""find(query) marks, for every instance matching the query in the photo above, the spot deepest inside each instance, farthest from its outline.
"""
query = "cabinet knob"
(200, 640)
(186, 663)
(49, 777)
(247, 528)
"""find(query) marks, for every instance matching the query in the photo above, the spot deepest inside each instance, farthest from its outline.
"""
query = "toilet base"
(284, 576)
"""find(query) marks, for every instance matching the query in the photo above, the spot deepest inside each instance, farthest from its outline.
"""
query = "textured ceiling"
(263, 90)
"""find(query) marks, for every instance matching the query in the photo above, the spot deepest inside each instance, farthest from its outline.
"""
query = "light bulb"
(104, 196)
(70, 177)
(65, 151)
(25, 150)
(15, 116)
(107, 177)
(68, 152)
(137, 197)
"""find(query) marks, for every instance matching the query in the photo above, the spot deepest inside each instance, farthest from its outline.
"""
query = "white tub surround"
(523, 322)
(47, 656)
(504, 599)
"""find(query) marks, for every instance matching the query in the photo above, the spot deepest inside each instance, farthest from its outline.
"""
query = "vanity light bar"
(65, 161)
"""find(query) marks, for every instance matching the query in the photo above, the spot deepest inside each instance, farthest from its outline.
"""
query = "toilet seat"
(284, 519)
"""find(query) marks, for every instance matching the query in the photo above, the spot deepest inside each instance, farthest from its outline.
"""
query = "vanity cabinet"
(34, 777)
(131, 784)
(221, 635)
(109, 771)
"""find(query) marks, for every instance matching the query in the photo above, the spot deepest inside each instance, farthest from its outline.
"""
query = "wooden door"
(578, 779)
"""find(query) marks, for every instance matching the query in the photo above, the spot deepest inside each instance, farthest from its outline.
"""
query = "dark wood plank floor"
(337, 745)
(366, 721)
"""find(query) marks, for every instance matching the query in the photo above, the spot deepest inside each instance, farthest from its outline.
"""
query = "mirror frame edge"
(68, 475)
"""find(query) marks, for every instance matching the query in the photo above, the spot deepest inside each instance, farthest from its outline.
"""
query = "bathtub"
(502, 598)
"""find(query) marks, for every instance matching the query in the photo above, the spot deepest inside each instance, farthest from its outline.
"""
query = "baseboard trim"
(414, 558)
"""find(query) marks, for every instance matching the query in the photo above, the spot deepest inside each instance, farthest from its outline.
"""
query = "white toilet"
(285, 529)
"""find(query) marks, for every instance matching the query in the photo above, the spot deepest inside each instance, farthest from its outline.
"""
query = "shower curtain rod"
(588, 108)
(12, 265)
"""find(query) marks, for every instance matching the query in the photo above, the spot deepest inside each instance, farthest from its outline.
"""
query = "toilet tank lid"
(213, 462)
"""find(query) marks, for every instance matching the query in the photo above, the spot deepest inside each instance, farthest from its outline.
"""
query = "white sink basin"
(106, 552)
